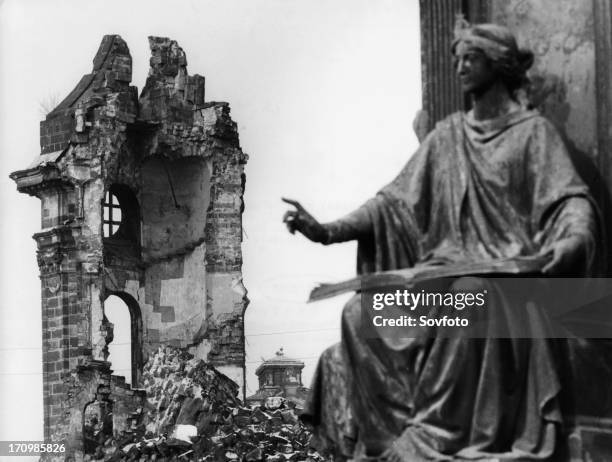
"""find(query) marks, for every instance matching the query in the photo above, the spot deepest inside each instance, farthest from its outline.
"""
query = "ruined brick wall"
(175, 165)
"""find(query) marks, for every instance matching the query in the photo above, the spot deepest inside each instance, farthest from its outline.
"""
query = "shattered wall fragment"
(169, 164)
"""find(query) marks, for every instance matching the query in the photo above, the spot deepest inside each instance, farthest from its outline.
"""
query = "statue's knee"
(469, 284)
(351, 313)
(353, 306)
(331, 353)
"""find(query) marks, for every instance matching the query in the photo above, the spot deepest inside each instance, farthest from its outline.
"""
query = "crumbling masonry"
(141, 197)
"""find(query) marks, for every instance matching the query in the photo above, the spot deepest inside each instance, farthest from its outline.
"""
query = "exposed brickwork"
(175, 163)
(55, 132)
(227, 337)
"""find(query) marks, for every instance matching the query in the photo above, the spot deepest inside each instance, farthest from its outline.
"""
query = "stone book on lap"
(410, 276)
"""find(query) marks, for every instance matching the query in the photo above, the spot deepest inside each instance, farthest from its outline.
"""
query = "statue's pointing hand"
(302, 221)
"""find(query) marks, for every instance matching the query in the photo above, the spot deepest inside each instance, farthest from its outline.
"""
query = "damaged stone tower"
(141, 197)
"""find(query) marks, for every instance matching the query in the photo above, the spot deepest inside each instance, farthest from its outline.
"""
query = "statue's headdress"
(499, 45)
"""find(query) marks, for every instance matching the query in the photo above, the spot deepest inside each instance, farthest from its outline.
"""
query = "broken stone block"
(190, 409)
(184, 433)
(254, 455)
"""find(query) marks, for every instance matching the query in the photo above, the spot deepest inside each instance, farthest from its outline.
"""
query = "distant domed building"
(279, 376)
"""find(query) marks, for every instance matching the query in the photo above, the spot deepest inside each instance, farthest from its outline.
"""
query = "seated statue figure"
(492, 183)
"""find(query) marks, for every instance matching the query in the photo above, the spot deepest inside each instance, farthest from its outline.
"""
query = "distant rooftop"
(279, 359)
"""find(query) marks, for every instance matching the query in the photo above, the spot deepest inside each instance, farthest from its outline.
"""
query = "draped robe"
(474, 190)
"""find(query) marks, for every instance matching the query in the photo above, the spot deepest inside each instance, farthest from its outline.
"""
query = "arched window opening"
(125, 351)
(121, 223)
(112, 215)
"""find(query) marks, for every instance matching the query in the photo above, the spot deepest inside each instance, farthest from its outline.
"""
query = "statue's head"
(488, 53)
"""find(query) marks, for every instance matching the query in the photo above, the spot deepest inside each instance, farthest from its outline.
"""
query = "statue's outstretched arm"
(353, 226)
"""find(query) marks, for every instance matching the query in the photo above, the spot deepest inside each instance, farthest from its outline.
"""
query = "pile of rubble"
(193, 413)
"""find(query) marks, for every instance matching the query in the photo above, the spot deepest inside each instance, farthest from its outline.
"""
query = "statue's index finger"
(295, 203)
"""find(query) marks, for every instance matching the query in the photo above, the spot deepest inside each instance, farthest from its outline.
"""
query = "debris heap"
(192, 412)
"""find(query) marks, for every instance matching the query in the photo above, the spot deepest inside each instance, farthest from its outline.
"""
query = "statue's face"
(474, 69)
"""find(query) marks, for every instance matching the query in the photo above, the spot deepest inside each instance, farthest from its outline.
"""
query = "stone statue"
(494, 182)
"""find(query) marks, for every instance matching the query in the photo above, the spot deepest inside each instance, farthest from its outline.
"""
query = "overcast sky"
(324, 93)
